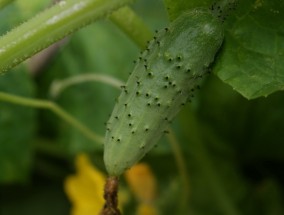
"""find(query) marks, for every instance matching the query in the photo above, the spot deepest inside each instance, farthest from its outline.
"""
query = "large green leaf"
(252, 57)
(17, 126)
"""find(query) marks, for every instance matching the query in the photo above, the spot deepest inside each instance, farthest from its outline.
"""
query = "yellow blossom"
(143, 184)
(146, 209)
(85, 189)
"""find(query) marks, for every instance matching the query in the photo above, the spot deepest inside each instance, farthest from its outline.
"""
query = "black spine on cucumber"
(164, 79)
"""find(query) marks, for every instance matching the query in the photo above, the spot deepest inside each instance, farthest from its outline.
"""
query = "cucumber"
(164, 79)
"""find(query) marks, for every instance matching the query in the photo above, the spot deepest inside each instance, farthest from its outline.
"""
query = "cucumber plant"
(164, 79)
(160, 86)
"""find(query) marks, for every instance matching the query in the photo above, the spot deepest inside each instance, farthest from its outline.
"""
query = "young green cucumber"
(163, 80)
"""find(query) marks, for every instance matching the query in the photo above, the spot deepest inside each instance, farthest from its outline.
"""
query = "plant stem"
(181, 164)
(110, 196)
(37, 103)
(202, 160)
(134, 27)
(50, 26)
(58, 86)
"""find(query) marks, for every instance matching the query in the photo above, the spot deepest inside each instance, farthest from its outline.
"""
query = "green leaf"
(17, 126)
(252, 57)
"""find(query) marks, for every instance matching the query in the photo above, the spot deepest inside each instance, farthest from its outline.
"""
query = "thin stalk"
(50, 26)
(131, 24)
(181, 165)
(58, 86)
(204, 163)
(37, 103)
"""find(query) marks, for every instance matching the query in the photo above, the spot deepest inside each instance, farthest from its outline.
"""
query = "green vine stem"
(58, 86)
(202, 160)
(182, 168)
(55, 109)
(132, 25)
(50, 26)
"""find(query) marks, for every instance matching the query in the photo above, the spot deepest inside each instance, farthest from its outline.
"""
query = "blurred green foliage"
(233, 147)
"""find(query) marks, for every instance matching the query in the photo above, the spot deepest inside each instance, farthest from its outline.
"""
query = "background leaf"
(251, 57)
(17, 128)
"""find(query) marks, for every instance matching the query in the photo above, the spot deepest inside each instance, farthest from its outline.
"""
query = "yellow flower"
(85, 189)
(146, 209)
(143, 184)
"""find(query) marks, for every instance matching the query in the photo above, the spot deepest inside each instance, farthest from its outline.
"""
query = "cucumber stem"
(181, 166)
(110, 196)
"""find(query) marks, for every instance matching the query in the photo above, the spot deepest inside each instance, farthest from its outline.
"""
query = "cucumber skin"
(162, 81)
